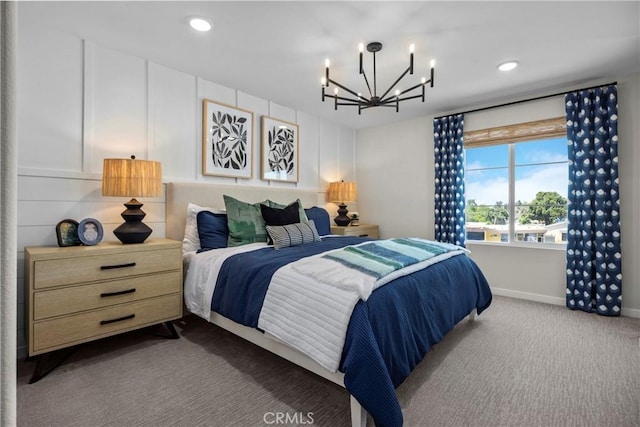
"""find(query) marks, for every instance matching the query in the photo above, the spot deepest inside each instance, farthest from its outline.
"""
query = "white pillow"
(191, 241)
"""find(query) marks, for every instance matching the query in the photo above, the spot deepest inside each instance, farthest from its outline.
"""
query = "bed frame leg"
(358, 414)
(472, 315)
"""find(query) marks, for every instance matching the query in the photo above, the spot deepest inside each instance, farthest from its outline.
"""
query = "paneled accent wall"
(79, 102)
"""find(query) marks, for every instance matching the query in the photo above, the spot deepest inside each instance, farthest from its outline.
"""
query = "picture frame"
(227, 140)
(90, 231)
(67, 233)
(279, 150)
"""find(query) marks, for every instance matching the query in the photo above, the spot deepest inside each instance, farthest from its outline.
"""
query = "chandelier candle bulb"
(432, 64)
(411, 49)
(326, 64)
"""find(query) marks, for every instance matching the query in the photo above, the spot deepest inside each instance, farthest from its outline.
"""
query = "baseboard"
(631, 312)
(628, 312)
(528, 296)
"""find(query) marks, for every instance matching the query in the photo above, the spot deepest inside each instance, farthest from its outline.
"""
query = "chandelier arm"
(342, 98)
(394, 99)
(343, 88)
(364, 107)
(354, 103)
(396, 82)
(413, 88)
(367, 82)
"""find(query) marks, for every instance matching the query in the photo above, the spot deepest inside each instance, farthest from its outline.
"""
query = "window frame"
(510, 135)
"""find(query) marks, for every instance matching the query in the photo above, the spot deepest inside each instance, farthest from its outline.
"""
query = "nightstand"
(363, 230)
(82, 293)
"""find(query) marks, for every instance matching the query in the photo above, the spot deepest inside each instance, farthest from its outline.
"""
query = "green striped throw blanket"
(382, 257)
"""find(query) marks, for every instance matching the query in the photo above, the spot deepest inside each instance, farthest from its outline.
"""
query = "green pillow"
(303, 214)
(244, 221)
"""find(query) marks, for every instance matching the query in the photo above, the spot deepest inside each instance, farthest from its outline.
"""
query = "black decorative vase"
(342, 219)
(133, 230)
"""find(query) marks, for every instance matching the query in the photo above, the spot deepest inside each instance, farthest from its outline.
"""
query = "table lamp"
(341, 192)
(132, 178)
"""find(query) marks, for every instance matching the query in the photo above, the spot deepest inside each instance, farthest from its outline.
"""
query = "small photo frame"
(279, 150)
(90, 231)
(67, 233)
(227, 140)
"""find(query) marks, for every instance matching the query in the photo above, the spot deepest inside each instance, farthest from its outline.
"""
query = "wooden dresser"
(82, 293)
(363, 230)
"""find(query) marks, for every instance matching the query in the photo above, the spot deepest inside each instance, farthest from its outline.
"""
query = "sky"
(534, 171)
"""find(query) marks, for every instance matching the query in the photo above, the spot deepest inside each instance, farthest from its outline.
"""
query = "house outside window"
(516, 180)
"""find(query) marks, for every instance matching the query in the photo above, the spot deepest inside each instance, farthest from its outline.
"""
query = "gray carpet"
(519, 364)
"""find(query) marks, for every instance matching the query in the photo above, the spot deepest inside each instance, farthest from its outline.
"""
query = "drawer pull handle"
(113, 294)
(363, 235)
(111, 267)
(119, 319)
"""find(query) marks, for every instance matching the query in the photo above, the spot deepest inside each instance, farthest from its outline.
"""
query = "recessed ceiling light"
(507, 65)
(200, 24)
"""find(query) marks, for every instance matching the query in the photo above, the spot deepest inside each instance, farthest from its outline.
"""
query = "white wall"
(395, 183)
(79, 103)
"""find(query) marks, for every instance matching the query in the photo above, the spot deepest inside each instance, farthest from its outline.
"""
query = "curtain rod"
(506, 104)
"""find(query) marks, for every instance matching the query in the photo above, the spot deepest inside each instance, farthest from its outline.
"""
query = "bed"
(386, 336)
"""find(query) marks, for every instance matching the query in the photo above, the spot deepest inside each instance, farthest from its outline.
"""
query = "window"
(516, 187)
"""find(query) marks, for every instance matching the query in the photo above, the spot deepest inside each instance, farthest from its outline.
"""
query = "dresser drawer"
(66, 271)
(69, 300)
(61, 332)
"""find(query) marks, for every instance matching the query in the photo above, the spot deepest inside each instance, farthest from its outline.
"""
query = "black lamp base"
(133, 230)
(342, 219)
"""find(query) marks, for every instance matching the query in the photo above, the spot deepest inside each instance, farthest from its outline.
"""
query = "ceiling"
(276, 50)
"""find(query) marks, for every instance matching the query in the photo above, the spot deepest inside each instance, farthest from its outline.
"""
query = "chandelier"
(387, 99)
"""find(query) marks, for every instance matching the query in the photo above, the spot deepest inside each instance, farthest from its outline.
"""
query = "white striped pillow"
(293, 234)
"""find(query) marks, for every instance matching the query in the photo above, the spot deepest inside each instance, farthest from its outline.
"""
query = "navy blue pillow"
(212, 230)
(321, 219)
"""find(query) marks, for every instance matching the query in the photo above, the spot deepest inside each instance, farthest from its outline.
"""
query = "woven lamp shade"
(342, 192)
(131, 178)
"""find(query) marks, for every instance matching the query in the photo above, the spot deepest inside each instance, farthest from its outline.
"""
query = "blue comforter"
(388, 335)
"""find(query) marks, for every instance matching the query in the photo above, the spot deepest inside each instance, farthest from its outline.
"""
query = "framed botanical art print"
(279, 150)
(227, 140)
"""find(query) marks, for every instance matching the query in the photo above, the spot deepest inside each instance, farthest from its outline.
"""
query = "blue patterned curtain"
(594, 260)
(449, 180)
